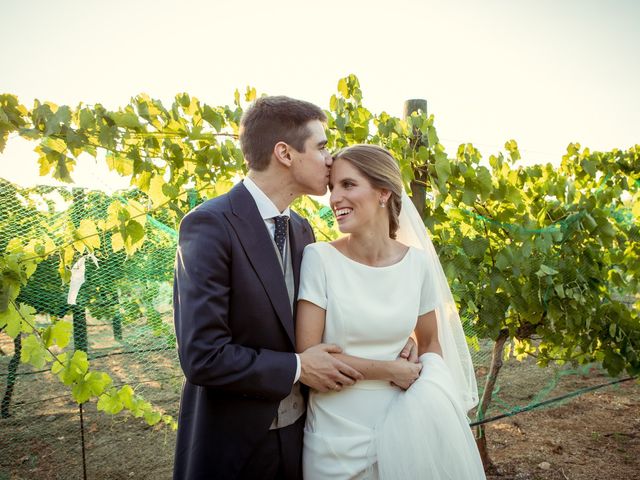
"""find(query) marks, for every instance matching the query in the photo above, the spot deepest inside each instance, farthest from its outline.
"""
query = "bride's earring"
(382, 204)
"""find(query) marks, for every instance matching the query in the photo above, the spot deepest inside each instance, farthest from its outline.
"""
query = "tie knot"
(281, 220)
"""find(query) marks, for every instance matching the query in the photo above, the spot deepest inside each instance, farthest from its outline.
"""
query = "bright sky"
(543, 72)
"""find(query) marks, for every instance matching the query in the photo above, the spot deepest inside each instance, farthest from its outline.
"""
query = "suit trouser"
(278, 456)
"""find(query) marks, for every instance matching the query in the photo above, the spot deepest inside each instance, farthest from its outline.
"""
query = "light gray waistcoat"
(291, 407)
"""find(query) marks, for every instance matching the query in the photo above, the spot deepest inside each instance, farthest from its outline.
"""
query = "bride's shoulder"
(400, 246)
(414, 254)
(316, 254)
(335, 245)
(402, 250)
(317, 247)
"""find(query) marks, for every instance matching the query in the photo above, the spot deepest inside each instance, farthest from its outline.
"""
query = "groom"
(236, 281)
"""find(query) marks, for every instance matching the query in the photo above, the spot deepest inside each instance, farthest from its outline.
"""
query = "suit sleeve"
(201, 306)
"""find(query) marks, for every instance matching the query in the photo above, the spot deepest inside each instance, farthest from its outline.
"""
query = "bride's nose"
(334, 197)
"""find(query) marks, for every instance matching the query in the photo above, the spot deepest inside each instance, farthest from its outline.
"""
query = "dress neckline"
(404, 257)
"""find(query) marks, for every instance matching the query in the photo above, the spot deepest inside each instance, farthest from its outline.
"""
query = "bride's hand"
(404, 373)
(410, 351)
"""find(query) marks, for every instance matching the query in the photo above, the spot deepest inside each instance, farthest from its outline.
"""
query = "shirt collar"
(265, 206)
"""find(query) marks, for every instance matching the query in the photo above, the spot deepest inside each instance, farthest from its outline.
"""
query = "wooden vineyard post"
(419, 184)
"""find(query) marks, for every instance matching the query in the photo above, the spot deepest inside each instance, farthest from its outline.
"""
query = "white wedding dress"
(372, 429)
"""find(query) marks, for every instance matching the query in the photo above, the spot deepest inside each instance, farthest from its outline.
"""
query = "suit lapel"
(254, 237)
(297, 232)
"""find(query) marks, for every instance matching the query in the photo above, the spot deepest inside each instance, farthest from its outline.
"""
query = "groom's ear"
(282, 153)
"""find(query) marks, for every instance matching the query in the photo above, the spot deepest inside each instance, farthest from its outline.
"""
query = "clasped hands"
(323, 372)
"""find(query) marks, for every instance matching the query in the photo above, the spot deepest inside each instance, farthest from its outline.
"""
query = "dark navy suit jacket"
(235, 333)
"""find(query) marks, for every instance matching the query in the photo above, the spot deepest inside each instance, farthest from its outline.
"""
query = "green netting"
(123, 320)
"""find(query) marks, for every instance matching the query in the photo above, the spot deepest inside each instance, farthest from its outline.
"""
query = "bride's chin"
(343, 228)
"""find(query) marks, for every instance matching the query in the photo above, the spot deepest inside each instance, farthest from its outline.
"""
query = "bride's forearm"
(370, 369)
(431, 347)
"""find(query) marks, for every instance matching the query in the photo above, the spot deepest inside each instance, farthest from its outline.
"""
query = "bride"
(367, 292)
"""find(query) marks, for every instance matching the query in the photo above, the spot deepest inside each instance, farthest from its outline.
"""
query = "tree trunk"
(116, 323)
(419, 190)
(496, 365)
(11, 377)
(80, 340)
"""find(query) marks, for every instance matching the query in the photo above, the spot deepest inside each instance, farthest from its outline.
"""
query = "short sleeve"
(429, 292)
(313, 279)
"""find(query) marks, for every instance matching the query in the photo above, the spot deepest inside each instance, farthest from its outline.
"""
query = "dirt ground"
(593, 436)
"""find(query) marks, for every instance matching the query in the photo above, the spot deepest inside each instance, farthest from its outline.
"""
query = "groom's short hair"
(275, 119)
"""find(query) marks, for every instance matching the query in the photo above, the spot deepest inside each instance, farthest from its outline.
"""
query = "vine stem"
(35, 332)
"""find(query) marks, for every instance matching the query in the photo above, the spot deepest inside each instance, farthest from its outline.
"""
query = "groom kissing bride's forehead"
(236, 281)
(251, 406)
(285, 138)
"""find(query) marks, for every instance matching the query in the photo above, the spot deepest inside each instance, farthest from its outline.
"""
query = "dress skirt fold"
(426, 433)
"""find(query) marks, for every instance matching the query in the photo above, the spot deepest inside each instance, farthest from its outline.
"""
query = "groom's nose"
(328, 161)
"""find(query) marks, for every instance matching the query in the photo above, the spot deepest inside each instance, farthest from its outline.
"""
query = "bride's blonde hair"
(382, 171)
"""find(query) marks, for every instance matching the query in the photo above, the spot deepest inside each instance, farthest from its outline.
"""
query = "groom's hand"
(322, 372)
(410, 351)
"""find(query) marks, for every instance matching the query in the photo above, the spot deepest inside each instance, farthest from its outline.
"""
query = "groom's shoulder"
(214, 205)
(219, 204)
(206, 211)
(210, 212)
